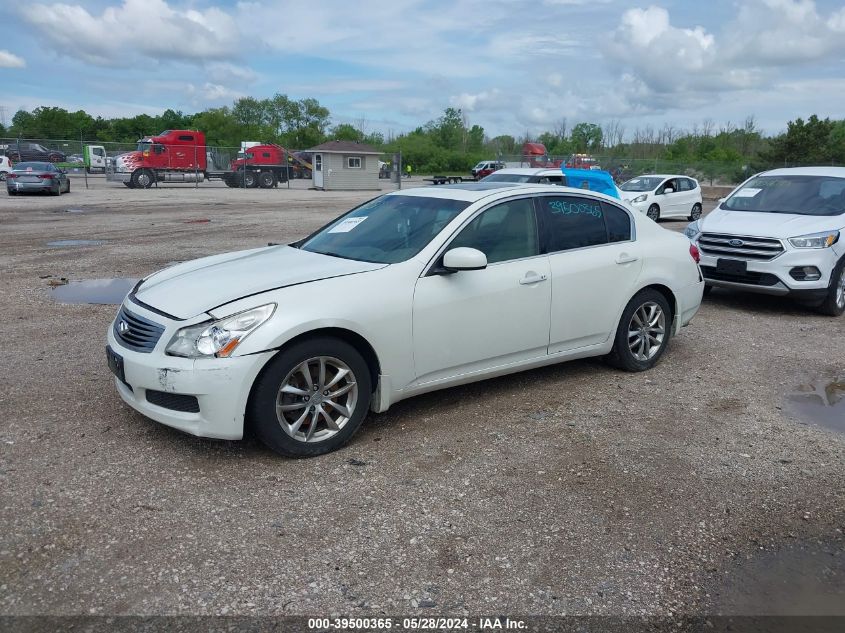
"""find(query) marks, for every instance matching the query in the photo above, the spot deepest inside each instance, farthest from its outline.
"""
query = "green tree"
(586, 137)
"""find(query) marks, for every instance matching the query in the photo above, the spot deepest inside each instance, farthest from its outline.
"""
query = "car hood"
(776, 225)
(194, 287)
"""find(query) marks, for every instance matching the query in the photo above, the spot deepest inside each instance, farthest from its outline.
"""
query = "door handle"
(624, 258)
(532, 278)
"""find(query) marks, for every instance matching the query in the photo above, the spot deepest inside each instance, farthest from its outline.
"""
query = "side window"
(186, 137)
(618, 223)
(504, 232)
(572, 222)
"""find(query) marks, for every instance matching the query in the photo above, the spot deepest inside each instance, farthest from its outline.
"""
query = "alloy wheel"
(646, 331)
(840, 289)
(316, 399)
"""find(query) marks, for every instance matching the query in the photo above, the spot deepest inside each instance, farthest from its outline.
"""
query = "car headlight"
(693, 229)
(218, 338)
(641, 198)
(825, 239)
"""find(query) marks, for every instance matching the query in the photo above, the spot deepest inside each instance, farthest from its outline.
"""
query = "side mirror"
(668, 190)
(463, 258)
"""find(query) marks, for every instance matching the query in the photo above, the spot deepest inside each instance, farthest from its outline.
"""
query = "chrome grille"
(740, 246)
(139, 334)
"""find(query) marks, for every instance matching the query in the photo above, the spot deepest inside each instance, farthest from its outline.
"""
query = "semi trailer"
(182, 156)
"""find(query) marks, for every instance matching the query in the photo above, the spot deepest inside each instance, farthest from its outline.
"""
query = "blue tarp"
(592, 179)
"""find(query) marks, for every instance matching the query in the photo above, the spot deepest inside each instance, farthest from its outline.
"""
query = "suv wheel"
(654, 212)
(834, 302)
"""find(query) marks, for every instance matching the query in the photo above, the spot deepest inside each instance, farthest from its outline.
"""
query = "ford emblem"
(122, 327)
(736, 243)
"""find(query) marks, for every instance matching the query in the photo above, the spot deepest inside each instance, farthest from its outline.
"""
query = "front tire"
(142, 179)
(643, 332)
(695, 213)
(834, 302)
(653, 212)
(311, 398)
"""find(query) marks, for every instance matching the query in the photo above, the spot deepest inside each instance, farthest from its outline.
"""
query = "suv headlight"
(641, 198)
(693, 230)
(218, 338)
(825, 239)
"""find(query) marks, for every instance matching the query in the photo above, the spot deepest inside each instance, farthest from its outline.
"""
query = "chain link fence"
(143, 164)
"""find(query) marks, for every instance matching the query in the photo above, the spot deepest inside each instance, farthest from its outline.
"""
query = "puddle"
(821, 401)
(100, 291)
(65, 243)
(801, 579)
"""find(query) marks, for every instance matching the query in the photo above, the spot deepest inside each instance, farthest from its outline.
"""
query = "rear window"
(34, 167)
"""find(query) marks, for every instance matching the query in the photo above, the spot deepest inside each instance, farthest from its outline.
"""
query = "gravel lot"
(576, 489)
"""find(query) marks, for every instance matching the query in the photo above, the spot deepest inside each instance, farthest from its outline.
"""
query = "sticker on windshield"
(347, 225)
(748, 192)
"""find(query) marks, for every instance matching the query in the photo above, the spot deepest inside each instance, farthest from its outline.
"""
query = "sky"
(513, 66)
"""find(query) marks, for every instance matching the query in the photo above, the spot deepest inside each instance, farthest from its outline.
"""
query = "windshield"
(507, 178)
(641, 184)
(386, 230)
(802, 195)
(144, 146)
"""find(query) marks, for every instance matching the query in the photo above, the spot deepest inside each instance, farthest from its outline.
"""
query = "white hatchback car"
(662, 196)
(779, 233)
(410, 292)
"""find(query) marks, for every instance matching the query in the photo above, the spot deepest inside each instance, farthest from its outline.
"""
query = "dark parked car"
(33, 151)
(41, 177)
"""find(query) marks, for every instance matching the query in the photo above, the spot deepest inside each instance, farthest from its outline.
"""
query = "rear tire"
(57, 192)
(266, 180)
(695, 213)
(643, 332)
(285, 371)
(250, 179)
(653, 212)
(834, 302)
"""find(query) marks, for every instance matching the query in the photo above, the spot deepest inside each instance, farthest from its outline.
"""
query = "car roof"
(475, 191)
(663, 176)
(836, 172)
(530, 171)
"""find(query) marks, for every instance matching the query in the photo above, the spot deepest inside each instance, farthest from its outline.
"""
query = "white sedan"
(664, 196)
(410, 292)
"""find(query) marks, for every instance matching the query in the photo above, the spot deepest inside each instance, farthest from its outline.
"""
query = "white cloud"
(10, 60)
(119, 36)
(230, 74)
(664, 66)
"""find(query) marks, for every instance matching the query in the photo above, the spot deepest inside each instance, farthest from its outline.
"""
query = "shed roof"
(344, 147)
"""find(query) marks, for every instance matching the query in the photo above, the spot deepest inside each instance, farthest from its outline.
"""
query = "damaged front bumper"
(206, 397)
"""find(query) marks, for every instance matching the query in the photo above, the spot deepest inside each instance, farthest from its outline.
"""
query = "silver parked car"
(40, 177)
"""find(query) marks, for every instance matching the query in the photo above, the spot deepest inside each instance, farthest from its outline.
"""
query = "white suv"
(779, 233)
(5, 167)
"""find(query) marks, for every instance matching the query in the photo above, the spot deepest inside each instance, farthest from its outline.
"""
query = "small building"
(344, 165)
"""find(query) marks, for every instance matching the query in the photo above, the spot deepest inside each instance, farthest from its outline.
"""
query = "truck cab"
(94, 158)
(172, 156)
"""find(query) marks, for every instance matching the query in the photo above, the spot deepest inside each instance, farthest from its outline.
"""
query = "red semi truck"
(183, 156)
